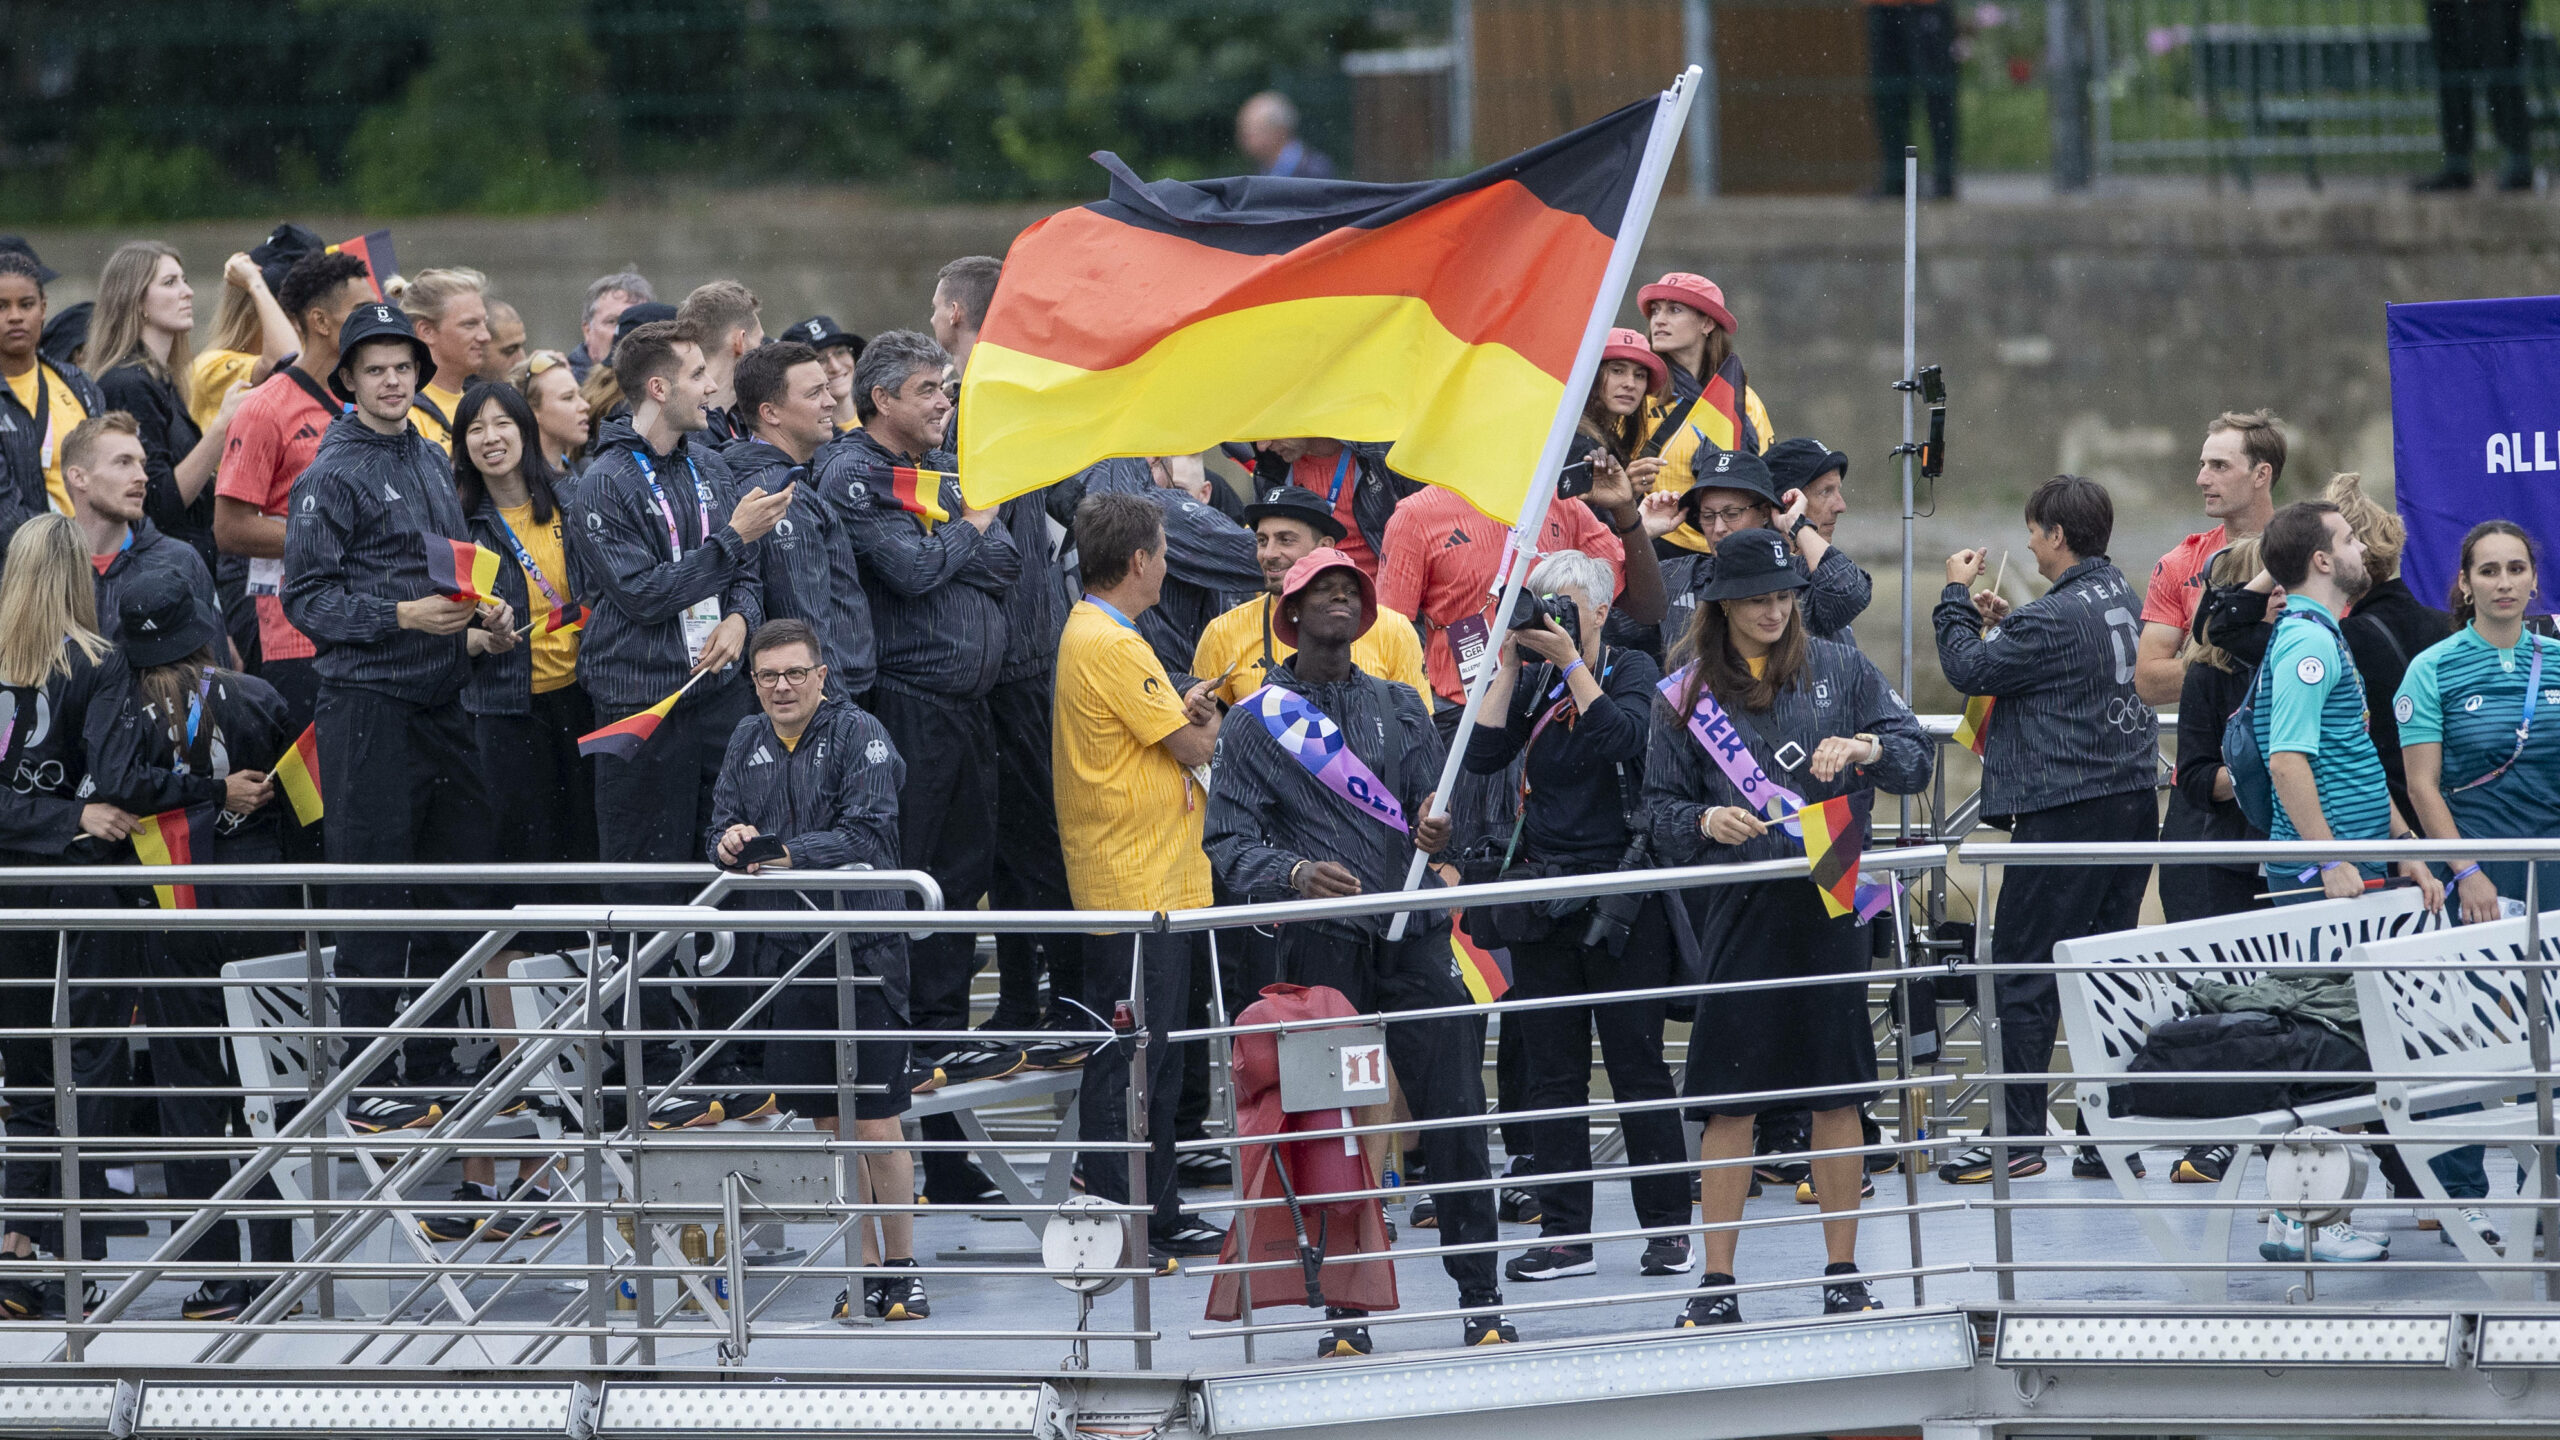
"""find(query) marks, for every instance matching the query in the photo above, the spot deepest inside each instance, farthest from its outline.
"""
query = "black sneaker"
(1974, 1166)
(375, 1114)
(49, 1295)
(690, 1112)
(1190, 1239)
(1552, 1262)
(902, 1297)
(1706, 1310)
(1807, 1195)
(922, 1079)
(1203, 1169)
(1665, 1255)
(1487, 1329)
(2203, 1165)
(1059, 1054)
(1516, 1206)
(1425, 1215)
(222, 1299)
(532, 1225)
(1343, 1340)
(977, 1060)
(1843, 1293)
(843, 1312)
(446, 1229)
(2088, 1164)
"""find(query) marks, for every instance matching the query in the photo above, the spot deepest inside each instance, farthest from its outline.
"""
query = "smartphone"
(760, 849)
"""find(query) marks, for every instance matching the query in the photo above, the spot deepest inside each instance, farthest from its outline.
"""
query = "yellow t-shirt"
(1129, 816)
(555, 655)
(214, 373)
(1390, 650)
(1704, 426)
(790, 743)
(439, 431)
(63, 413)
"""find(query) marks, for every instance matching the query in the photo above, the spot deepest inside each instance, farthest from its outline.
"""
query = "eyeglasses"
(1730, 516)
(793, 678)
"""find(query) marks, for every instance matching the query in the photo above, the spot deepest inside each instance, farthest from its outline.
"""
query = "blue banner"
(2475, 425)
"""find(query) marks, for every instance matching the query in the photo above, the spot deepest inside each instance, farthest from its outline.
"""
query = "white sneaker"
(2481, 1225)
(2338, 1244)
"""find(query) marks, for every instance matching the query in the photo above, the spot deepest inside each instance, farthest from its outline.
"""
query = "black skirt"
(1781, 1038)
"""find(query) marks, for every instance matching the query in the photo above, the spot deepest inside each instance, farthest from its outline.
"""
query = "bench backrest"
(2472, 1019)
(549, 990)
(2107, 1013)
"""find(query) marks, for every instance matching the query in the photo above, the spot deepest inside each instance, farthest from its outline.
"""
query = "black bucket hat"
(66, 332)
(378, 320)
(17, 245)
(163, 621)
(1794, 464)
(284, 246)
(820, 332)
(1727, 470)
(1295, 502)
(1752, 562)
(647, 312)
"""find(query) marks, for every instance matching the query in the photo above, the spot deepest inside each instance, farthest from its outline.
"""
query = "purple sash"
(1714, 732)
(1314, 741)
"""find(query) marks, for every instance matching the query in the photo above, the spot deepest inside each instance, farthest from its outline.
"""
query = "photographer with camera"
(1579, 710)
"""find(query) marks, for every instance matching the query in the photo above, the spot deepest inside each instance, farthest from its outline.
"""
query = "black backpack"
(2250, 1040)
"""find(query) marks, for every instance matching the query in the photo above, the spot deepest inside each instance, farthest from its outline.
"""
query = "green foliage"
(497, 123)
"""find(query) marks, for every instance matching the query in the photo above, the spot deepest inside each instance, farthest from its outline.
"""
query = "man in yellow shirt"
(41, 403)
(1238, 648)
(1124, 749)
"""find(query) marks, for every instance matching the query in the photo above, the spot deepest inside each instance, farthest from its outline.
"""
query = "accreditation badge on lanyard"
(702, 616)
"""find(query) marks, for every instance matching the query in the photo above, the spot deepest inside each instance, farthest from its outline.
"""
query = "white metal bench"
(2107, 1013)
(2420, 1025)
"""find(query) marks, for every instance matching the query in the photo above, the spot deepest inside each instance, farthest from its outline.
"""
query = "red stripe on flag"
(919, 492)
(1487, 973)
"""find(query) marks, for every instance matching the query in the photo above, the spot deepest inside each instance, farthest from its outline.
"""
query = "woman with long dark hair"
(138, 339)
(1817, 721)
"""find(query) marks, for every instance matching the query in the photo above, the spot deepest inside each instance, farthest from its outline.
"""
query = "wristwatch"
(1797, 528)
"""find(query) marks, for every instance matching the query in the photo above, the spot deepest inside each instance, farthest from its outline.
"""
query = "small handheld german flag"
(1975, 728)
(1835, 833)
(461, 570)
(557, 620)
(169, 838)
(623, 738)
(298, 775)
(919, 493)
(1487, 973)
(374, 248)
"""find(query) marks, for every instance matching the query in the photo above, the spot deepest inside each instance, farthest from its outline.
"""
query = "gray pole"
(1698, 47)
(1462, 83)
(2066, 61)
(1910, 389)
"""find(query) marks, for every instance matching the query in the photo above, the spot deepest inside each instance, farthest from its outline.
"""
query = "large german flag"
(1443, 316)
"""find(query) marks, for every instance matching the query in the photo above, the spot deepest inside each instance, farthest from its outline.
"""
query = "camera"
(1615, 915)
(1575, 478)
(1529, 609)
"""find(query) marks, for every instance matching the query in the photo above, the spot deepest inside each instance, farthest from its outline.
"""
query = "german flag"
(1835, 834)
(298, 775)
(374, 248)
(169, 838)
(1487, 973)
(919, 492)
(1975, 728)
(461, 570)
(1444, 316)
(623, 738)
(571, 616)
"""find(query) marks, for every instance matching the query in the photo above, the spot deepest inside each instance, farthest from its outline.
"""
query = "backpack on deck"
(2253, 785)
(2250, 1040)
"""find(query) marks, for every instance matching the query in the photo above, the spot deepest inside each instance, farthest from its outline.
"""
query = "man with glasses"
(1737, 490)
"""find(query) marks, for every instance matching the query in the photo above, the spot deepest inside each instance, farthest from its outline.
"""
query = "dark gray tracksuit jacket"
(810, 570)
(151, 560)
(834, 800)
(2067, 725)
(631, 654)
(355, 546)
(1209, 560)
(22, 492)
(1839, 594)
(938, 597)
(1267, 813)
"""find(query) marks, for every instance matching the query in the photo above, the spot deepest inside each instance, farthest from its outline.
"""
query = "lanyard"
(2524, 729)
(666, 512)
(1341, 468)
(1107, 608)
(195, 707)
(533, 572)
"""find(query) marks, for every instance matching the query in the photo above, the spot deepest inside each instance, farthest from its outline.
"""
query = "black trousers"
(32, 1172)
(1556, 1047)
(2041, 905)
(2480, 44)
(402, 783)
(297, 683)
(2200, 892)
(544, 790)
(1114, 966)
(194, 1067)
(1911, 52)
(947, 828)
(1030, 870)
(1440, 1062)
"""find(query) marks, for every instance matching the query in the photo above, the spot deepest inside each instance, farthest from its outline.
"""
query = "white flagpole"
(1671, 112)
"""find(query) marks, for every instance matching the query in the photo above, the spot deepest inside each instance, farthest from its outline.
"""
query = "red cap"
(1303, 574)
(1695, 291)
(1632, 345)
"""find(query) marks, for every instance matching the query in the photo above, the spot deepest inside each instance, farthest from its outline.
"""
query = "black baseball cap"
(163, 621)
(1727, 470)
(647, 312)
(1295, 502)
(1752, 562)
(45, 274)
(66, 332)
(1794, 464)
(286, 245)
(820, 332)
(378, 320)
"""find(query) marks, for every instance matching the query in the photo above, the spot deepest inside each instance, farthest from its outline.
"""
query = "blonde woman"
(138, 339)
(251, 333)
(560, 410)
(450, 310)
